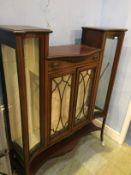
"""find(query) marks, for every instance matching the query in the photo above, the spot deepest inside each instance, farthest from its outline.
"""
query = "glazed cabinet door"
(71, 99)
(84, 95)
(110, 41)
(9, 64)
(61, 87)
(113, 43)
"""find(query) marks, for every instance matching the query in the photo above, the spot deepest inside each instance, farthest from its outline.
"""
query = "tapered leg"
(102, 131)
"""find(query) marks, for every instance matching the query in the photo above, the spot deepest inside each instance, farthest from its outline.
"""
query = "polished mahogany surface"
(71, 51)
(23, 29)
(105, 29)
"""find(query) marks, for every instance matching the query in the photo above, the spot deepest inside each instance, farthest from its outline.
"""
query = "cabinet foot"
(103, 143)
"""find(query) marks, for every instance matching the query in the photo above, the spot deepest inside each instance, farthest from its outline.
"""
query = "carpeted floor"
(91, 158)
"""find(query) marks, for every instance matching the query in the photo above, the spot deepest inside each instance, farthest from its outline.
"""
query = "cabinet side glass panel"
(83, 96)
(31, 56)
(11, 81)
(108, 59)
(60, 103)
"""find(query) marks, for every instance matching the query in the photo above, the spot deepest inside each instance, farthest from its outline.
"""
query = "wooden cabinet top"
(105, 29)
(23, 29)
(71, 51)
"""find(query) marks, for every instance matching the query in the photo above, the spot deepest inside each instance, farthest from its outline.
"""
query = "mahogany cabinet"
(51, 93)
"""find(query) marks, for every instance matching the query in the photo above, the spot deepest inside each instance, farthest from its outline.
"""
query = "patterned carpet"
(91, 158)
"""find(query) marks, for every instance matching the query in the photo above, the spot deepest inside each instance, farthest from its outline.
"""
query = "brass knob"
(115, 37)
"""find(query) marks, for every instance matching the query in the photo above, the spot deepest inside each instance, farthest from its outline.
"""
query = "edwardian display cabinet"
(50, 93)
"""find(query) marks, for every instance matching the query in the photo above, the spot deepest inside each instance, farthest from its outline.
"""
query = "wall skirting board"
(109, 131)
(116, 136)
(126, 124)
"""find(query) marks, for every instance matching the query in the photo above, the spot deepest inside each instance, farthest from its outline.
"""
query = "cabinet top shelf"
(71, 51)
(23, 29)
(105, 29)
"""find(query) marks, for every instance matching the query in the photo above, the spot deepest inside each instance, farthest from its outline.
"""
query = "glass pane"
(3, 140)
(84, 92)
(5, 166)
(108, 59)
(60, 103)
(31, 55)
(11, 80)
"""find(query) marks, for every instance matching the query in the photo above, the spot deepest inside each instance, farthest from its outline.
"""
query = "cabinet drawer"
(61, 63)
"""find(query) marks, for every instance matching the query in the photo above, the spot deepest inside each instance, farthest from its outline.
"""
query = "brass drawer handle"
(55, 65)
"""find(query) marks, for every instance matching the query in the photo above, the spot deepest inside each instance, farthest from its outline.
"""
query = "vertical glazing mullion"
(23, 98)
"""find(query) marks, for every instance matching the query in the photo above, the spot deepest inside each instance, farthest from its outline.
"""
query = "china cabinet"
(51, 94)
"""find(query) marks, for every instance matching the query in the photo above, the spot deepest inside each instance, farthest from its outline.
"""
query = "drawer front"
(63, 63)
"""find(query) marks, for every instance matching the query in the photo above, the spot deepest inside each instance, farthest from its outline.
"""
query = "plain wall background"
(65, 18)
